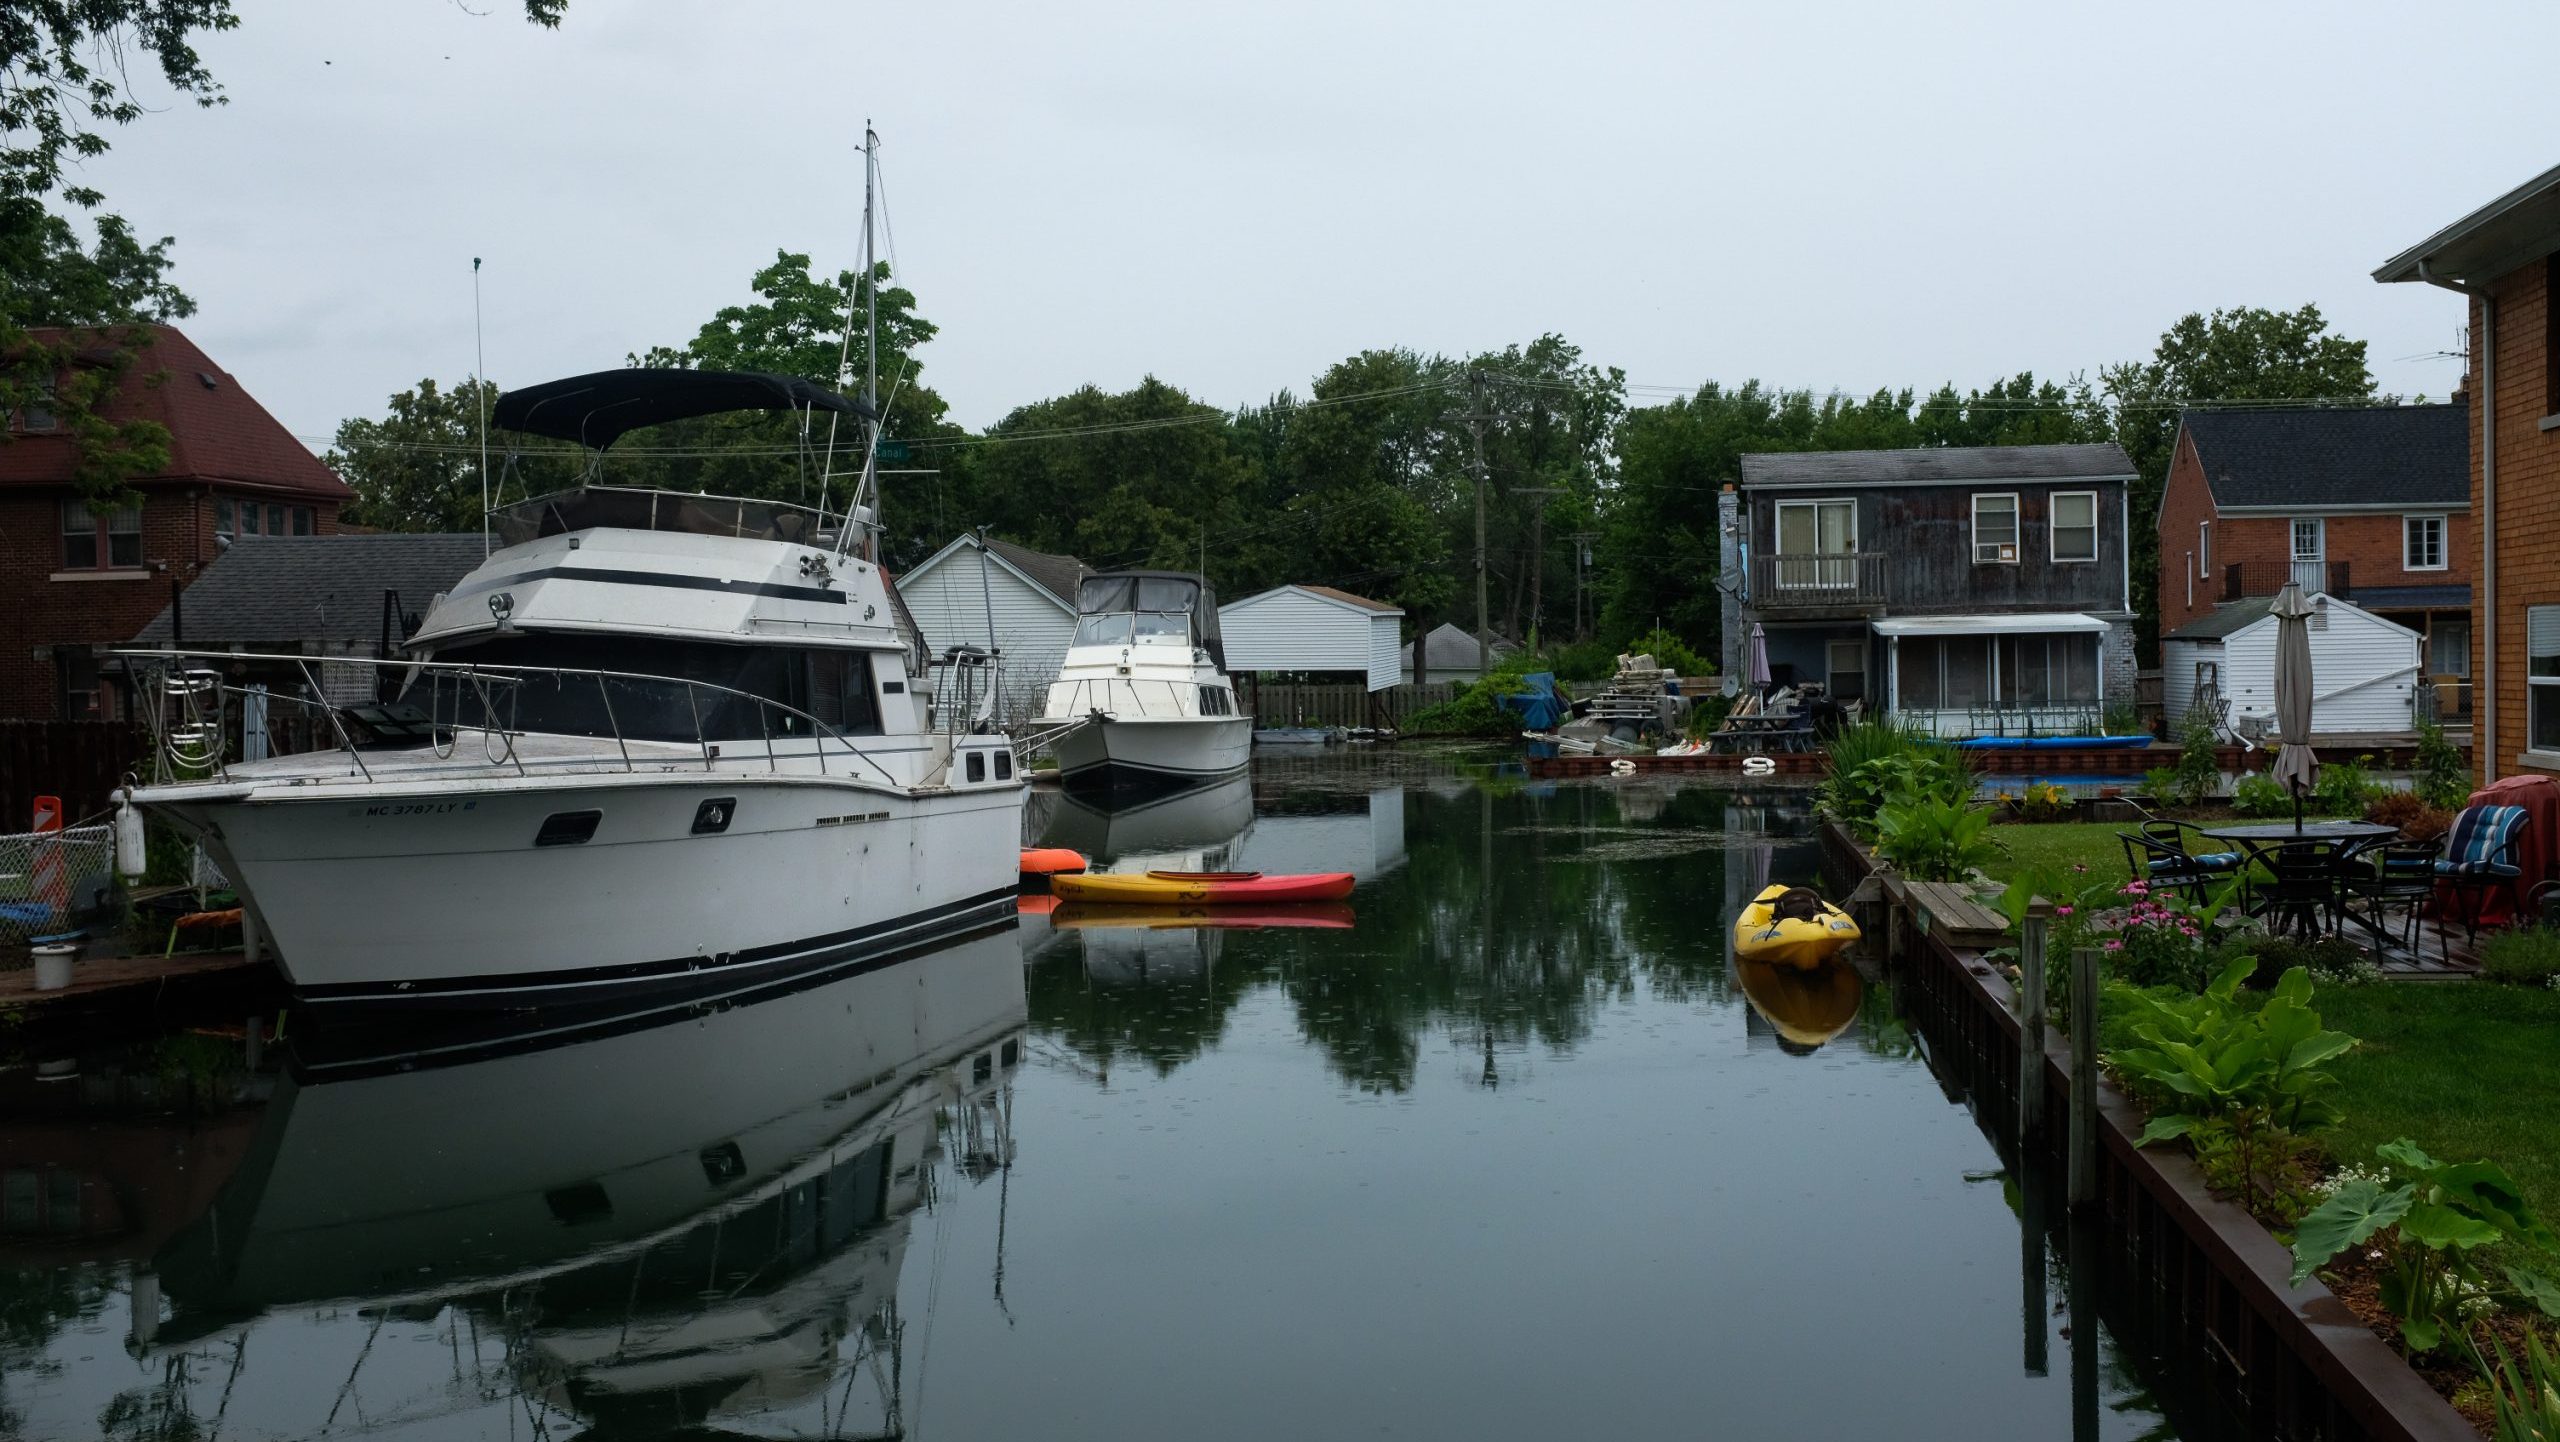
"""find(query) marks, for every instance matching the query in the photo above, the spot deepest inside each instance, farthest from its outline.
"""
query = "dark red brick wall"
(2184, 502)
(2528, 516)
(39, 612)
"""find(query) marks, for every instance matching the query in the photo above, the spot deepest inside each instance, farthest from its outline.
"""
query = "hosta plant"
(2228, 1077)
(2432, 1218)
(1928, 838)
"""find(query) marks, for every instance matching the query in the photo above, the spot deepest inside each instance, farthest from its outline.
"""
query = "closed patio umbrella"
(1755, 663)
(2296, 769)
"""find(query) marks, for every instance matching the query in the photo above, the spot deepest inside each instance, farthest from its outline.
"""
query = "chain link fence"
(48, 877)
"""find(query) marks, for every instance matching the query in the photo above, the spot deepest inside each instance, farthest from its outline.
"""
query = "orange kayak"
(1050, 860)
(1202, 888)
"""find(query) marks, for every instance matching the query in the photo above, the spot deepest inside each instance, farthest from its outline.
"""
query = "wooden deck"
(136, 980)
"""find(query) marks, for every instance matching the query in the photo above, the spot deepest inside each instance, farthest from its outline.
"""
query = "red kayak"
(1202, 888)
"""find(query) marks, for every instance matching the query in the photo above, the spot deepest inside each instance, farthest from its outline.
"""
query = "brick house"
(2368, 505)
(2504, 259)
(75, 582)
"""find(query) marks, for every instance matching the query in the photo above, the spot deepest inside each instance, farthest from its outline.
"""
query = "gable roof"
(217, 430)
(1322, 593)
(1059, 576)
(1450, 647)
(2223, 620)
(276, 590)
(1938, 465)
(2335, 455)
(2518, 227)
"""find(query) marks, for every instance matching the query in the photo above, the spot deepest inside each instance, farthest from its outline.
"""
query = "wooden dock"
(115, 982)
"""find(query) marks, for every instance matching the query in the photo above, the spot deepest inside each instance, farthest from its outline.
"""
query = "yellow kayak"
(1790, 926)
(1805, 1005)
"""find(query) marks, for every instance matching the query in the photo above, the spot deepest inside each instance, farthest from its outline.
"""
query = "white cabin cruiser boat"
(656, 742)
(1144, 687)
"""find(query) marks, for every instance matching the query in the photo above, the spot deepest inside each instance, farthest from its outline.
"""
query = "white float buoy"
(1759, 766)
(53, 965)
(131, 861)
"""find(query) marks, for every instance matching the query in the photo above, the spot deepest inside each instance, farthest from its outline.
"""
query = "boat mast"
(870, 340)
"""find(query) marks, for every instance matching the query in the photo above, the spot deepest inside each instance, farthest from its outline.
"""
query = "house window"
(1995, 529)
(2204, 550)
(1817, 543)
(250, 518)
(36, 415)
(2422, 543)
(1847, 677)
(2310, 553)
(2542, 676)
(2075, 525)
(93, 540)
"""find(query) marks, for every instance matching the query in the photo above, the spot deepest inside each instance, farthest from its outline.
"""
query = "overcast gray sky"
(1233, 198)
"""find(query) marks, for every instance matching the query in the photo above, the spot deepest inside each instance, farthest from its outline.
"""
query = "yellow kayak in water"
(1791, 926)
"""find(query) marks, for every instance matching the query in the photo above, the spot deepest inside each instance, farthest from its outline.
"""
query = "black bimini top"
(596, 410)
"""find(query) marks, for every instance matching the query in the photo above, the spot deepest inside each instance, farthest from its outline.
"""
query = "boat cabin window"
(834, 686)
(1148, 608)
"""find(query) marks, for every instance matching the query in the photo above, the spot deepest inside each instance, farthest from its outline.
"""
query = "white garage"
(2364, 669)
(1314, 629)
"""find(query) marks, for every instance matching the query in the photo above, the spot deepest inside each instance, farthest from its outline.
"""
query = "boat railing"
(192, 710)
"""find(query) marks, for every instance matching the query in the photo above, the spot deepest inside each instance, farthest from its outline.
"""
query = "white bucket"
(53, 966)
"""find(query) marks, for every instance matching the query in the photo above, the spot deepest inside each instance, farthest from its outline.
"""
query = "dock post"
(2084, 1078)
(2031, 993)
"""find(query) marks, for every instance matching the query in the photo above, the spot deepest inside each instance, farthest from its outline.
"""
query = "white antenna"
(480, 403)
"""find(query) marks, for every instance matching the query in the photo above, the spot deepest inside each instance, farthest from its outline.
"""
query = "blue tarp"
(1539, 708)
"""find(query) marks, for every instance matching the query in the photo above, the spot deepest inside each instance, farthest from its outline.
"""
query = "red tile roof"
(217, 430)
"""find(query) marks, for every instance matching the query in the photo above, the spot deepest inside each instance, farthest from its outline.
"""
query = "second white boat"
(1143, 698)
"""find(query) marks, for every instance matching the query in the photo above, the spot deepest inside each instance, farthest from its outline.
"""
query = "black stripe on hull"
(337, 1048)
(1130, 776)
(678, 976)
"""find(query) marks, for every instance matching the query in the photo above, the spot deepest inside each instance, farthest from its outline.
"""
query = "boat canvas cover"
(1167, 592)
(598, 409)
(1539, 708)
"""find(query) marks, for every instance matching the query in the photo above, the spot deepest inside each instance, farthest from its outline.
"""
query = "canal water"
(1504, 1146)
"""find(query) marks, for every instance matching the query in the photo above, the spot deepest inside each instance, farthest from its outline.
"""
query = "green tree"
(1138, 478)
(2243, 354)
(418, 467)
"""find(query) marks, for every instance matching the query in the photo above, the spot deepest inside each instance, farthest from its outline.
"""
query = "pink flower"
(2115, 946)
(2062, 911)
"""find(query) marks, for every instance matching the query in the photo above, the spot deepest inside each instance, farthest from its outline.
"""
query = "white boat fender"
(131, 861)
(1759, 766)
(1622, 767)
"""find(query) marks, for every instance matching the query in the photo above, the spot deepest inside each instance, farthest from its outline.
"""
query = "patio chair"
(2307, 892)
(2399, 874)
(2479, 860)
(2157, 852)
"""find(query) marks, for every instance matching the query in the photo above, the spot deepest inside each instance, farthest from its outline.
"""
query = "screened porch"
(1960, 676)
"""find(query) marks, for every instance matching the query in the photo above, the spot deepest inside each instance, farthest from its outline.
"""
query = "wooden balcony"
(2244, 579)
(1847, 584)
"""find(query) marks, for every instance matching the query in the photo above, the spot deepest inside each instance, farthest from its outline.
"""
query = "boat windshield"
(833, 685)
(1146, 608)
(1142, 627)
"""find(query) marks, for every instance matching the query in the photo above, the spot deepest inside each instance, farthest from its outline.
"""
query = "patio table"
(2336, 842)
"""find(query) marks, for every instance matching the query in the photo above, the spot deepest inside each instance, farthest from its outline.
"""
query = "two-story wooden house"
(77, 580)
(2504, 260)
(1965, 590)
(2370, 505)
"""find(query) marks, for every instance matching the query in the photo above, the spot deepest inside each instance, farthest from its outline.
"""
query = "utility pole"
(1475, 426)
(1538, 553)
(1581, 567)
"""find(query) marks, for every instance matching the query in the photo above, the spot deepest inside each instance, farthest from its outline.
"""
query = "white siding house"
(2364, 669)
(1033, 596)
(1313, 628)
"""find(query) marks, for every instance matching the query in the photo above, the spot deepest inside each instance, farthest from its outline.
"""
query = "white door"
(2310, 553)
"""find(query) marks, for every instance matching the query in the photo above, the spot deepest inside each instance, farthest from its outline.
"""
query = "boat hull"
(1150, 890)
(1149, 753)
(375, 897)
(1760, 935)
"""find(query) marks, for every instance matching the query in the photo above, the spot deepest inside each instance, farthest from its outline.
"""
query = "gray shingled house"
(1968, 591)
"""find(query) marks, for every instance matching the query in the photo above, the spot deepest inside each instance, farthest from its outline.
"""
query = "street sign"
(891, 451)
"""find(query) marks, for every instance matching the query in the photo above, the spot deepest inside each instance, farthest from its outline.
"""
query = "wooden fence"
(1341, 703)
(79, 761)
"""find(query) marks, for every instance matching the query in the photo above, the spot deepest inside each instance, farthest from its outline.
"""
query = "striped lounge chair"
(2479, 860)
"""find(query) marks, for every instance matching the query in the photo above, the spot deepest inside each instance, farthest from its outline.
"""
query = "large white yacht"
(1144, 687)
(656, 741)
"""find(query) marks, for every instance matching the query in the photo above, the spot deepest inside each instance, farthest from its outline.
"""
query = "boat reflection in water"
(1806, 1006)
(703, 1212)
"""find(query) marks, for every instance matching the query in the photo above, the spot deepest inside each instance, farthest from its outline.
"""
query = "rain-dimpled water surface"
(1504, 1146)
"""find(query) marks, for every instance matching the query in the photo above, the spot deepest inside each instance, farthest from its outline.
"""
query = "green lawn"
(2467, 1070)
(2060, 843)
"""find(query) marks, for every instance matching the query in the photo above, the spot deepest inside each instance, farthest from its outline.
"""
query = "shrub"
(1475, 711)
(2347, 787)
(2258, 794)
(2417, 818)
(2199, 772)
(2042, 801)
(2440, 777)
(1706, 715)
(2329, 958)
(2527, 956)
(1583, 661)
(1872, 759)
(2121, 719)
(2159, 940)
(1930, 838)
(2160, 783)
(1669, 652)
